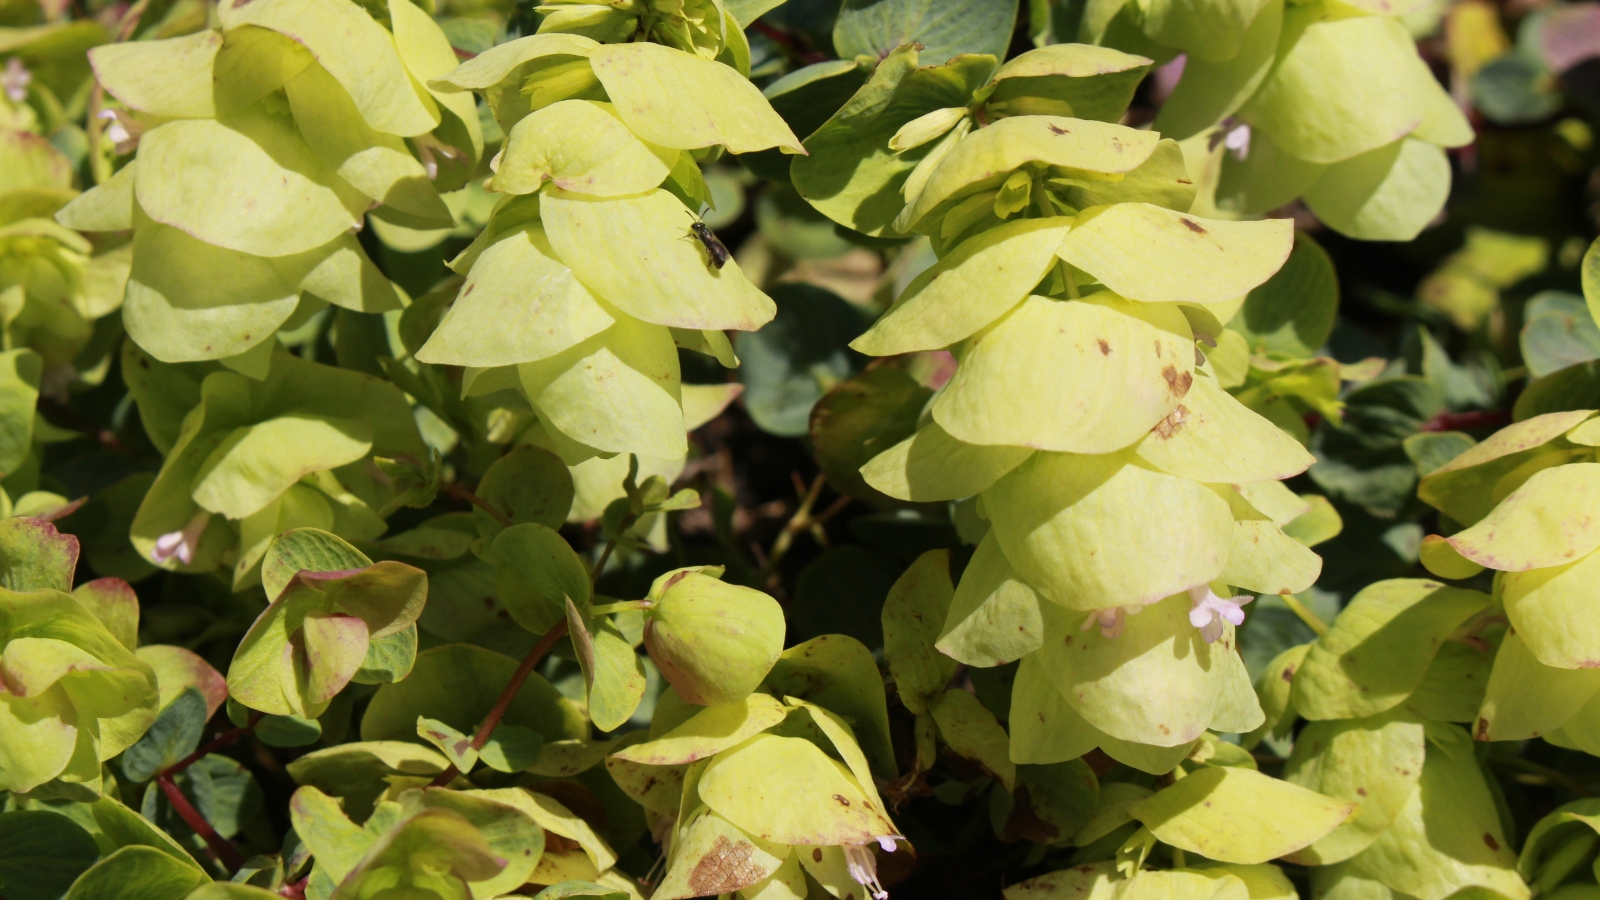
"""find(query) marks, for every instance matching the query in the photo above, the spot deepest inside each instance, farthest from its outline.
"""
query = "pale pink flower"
(16, 80)
(1209, 611)
(864, 866)
(180, 545)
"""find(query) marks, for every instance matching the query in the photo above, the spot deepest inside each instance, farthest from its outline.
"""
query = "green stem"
(606, 609)
(1307, 616)
(1533, 768)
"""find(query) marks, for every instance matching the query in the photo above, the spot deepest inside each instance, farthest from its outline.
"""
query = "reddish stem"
(501, 705)
(222, 740)
(456, 490)
(1448, 421)
(221, 849)
(790, 43)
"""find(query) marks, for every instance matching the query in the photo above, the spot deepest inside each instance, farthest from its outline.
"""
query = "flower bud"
(713, 641)
(927, 127)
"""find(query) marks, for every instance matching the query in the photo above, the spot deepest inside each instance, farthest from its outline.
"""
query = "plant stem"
(222, 740)
(1533, 768)
(459, 492)
(606, 609)
(221, 849)
(800, 521)
(501, 705)
(1307, 616)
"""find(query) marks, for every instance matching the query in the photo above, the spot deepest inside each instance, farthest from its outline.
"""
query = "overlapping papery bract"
(53, 283)
(1323, 100)
(1522, 503)
(587, 279)
(709, 776)
(261, 147)
(1127, 494)
(251, 459)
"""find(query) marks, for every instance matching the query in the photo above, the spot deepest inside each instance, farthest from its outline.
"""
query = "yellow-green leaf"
(1239, 815)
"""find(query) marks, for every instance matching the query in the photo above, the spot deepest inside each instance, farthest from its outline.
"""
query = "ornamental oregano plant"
(799, 449)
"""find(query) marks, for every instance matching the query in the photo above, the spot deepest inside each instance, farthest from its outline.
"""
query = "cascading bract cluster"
(587, 279)
(1127, 494)
(1323, 101)
(261, 147)
(1523, 502)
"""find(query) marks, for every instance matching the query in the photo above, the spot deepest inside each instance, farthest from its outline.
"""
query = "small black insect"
(714, 248)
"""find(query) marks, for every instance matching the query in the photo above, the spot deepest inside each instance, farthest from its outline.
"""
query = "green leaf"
(861, 417)
(20, 371)
(851, 175)
(359, 53)
(1544, 522)
(714, 642)
(838, 674)
(1293, 311)
(1144, 252)
(1387, 194)
(135, 873)
(169, 78)
(1374, 762)
(1210, 91)
(221, 789)
(568, 889)
(580, 146)
(1575, 387)
(1239, 815)
(972, 732)
(711, 104)
(944, 28)
(389, 658)
(1079, 80)
(912, 616)
(515, 841)
(36, 556)
(1056, 502)
(511, 748)
(196, 174)
(1463, 487)
(1213, 437)
(458, 684)
(1448, 836)
(1378, 649)
(306, 550)
(973, 285)
(709, 731)
(360, 772)
(1558, 332)
(994, 617)
(173, 736)
(527, 485)
(1525, 698)
(457, 747)
(701, 862)
(795, 358)
(41, 853)
(803, 808)
(536, 571)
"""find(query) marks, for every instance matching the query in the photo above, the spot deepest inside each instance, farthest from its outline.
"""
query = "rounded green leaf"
(637, 253)
(912, 615)
(1548, 521)
(1387, 194)
(1089, 376)
(136, 873)
(1209, 92)
(1211, 436)
(1157, 683)
(356, 50)
(1053, 508)
(713, 641)
(817, 802)
(169, 78)
(676, 99)
(252, 185)
(583, 147)
(1526, 698)
(709, 731)
(458, 684)
(1239, 815)
(973, 285)
(932, 465)
(1548, 607)
(42, 853)
(994, 616)
(1374, 762)
(1264, 560)
(1378, 649)
(1063, 147)
(711, 855)
(1145, 252)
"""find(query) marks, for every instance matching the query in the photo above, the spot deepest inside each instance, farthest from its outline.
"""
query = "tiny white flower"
(16, 80)
(1237, 141)
(427, 145)
(180, 545)
(1209, 611)
(864, 866)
